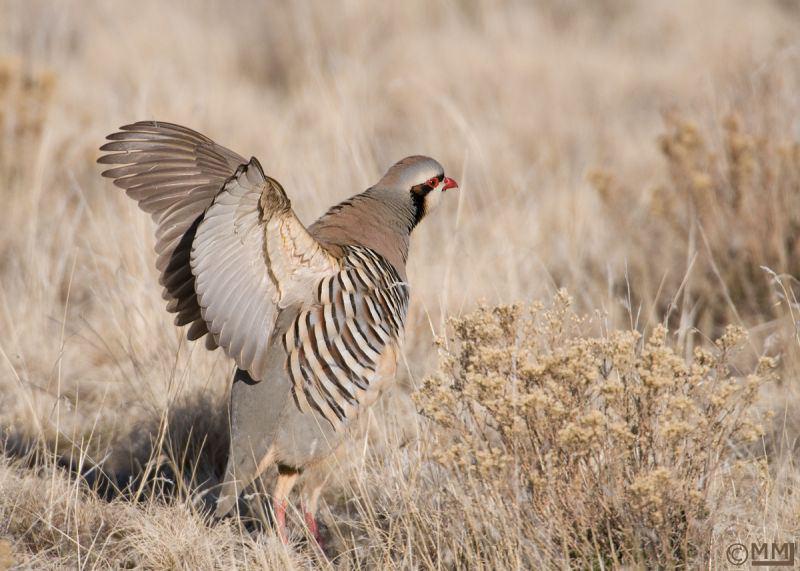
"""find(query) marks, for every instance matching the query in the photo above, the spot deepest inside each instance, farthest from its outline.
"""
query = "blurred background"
(643, 155)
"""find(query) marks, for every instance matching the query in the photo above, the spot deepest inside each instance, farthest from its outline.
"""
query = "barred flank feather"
(334, 346)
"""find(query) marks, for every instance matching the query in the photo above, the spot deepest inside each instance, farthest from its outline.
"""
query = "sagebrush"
(621, 447)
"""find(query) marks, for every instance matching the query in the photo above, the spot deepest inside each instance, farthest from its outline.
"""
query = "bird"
(313, 317)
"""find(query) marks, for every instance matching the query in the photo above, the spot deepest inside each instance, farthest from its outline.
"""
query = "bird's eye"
(432, 182)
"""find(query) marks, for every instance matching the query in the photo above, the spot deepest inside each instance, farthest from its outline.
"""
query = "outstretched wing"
(252, 256)
(230, 249)
(174, 174)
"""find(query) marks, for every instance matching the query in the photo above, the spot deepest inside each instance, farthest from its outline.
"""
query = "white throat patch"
(433, 198)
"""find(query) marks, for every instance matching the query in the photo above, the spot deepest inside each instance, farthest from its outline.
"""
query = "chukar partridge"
(311, 316)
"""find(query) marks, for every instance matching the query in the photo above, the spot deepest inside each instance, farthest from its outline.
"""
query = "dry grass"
(644, 156)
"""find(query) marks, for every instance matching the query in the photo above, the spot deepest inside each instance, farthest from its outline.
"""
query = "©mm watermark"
(762, 554)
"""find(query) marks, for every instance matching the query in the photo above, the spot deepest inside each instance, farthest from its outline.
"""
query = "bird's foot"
(280, 521)
(313, 528)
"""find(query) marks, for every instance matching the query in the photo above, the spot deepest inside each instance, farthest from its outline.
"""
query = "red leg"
(313, 528)
(286, 479)
(280, 520)
(310, 503)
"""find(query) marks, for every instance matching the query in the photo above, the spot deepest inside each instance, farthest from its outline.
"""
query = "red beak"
(449, 183)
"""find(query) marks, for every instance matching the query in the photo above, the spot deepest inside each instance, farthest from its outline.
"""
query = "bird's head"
(422, 182)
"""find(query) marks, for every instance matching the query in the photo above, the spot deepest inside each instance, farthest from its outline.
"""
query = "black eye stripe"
(424, 188)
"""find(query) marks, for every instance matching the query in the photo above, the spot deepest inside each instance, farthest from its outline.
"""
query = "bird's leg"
(309, 505)
(280, 520)
(311, 523)
(280, 499)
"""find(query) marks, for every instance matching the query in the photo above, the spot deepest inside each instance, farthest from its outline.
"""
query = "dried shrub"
(731, 198)
(744, 200)
(617, 444)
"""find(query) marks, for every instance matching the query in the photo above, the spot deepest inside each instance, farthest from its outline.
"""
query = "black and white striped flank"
(334, 347)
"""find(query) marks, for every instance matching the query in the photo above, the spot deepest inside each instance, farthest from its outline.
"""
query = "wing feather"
(174, 173)
(230, 250)
(246, 270)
